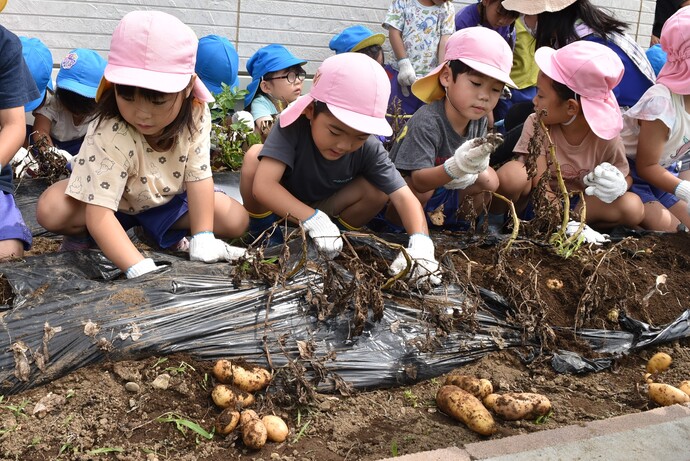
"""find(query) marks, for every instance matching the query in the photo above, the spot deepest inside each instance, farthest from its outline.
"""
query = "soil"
(120, 410)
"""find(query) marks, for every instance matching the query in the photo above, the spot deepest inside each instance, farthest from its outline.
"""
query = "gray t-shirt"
(430, 139)
(311, 178)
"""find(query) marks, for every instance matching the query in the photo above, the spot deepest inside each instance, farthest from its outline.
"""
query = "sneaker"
(77, 243)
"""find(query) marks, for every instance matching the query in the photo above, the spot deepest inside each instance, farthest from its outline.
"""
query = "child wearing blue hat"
(359, 39)
(217, 62)
(277, 77)
(39, 59)
(64, 119)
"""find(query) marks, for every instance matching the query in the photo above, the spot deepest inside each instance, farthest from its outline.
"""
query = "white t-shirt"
(659, 103)
(63, 128)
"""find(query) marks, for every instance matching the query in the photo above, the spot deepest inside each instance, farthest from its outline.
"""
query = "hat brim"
(3, 3)
(77, 87)
(355, 120)
(157, 81)
(31, 106)
(376, 39)
(675, 76)
(535, 6)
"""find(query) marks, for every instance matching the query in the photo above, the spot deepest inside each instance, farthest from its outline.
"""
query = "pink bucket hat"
(355, 89)
(153, 50)
(675, 41)
(481, 48)
(592, 71)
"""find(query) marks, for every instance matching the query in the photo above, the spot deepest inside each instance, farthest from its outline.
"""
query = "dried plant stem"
(514, 216)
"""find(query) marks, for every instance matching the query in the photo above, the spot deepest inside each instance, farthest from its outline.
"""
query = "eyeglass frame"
(300, 75)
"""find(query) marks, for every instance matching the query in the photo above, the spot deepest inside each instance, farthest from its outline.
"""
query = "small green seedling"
(182, 424)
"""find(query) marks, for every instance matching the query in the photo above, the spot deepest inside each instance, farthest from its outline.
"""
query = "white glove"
(683, 192)
(406, 75)
(605, 182)
(588, 234)
(325, 234)
(23, 163)
(205, 247)
(243, 117)
(463, 182)
(60, 153)
(473, 156)
(420, 248)
(142, 267)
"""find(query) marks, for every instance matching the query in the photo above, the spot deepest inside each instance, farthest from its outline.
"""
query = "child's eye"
(333, 133)
(159, 102)
(476, 83)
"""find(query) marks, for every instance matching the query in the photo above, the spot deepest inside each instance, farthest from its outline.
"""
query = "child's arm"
(441, 53)
(12, 132)
(111, 237)
(410, 211)
(406, 72)
(42, 127)
(650, 148)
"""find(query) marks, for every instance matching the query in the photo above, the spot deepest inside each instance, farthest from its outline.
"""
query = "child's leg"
(627, 210)
(355, 204)
(249, 165)
(230, 219)
(513, 184)
(479, 193)
(60, 213)
(680, 211)
(15, 236)
(423, 197)
(659, 218)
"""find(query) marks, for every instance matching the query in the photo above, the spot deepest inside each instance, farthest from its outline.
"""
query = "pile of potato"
(469, 399)
(664, 394)
(234, 394)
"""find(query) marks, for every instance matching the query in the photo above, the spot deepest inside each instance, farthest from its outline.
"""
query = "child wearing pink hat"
(321, 166)
(145, 158)
(440, 152)
(576, 103)
(657, 133)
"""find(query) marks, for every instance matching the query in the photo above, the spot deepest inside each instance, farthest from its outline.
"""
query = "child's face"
(150, 116)
(497, 16)
(472, 95)
(284, 85)
(548, 104)
(332, 137)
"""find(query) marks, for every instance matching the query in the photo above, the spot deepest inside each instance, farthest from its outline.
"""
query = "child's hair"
(373, 51)
(556, 29)
(297, 69)
(75, 103)
(562, 90)
(502, 11)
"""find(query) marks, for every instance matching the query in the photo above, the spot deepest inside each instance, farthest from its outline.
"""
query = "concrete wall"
(304, 26)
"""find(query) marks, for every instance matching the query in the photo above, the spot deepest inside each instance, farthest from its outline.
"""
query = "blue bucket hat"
(270, 58)
(81, 71)
(217, 62)
(354, 38)
(39, 59)
(657, 57)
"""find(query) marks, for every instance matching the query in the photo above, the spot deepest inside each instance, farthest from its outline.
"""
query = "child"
(39, 59)
(442, 161)
(277, 77)
(418, 31)
(145, 159)
(217, 62)
(63, 121)
(361, 40)
(320, 162)
(657, 133)
(575, 101)
(17, 88)
(491, 14)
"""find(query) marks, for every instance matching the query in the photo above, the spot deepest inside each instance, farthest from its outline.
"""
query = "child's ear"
(573, 107)
(309, 112)
(445, 77)
(265, 86)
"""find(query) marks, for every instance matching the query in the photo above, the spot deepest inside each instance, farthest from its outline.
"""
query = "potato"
(254, 433)
(226, 396)
(659, 362)
(227, 421)
(480, 388)
(245, 378)
(276, 428)
(665, 394)
(464, 407)
(518, 405)
(685, 387)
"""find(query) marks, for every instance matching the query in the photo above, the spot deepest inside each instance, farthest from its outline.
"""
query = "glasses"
(291, 77)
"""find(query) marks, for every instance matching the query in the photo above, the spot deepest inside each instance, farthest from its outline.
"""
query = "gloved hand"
(60, 153)
(420, 248)
(472, 157)
(406, 75)
(23, 163)
(463, 182)
(142, 267)
(605, 182)
(683, 192)
(325, 234)
(588, 234)
(205, 247)
(245, 118)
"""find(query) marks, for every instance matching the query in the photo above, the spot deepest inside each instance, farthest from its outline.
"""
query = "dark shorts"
(12, 225)
(450, 199)
(528, 213)
(649, 193)
(408, 104)
(157, 222)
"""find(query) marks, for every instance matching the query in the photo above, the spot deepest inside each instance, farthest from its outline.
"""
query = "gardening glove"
(588, 234)
(205, 247)
(683, 192)
(605, 182)
(60, 153)
(420, 248)
(245, 118)
(325, 234)
(22, 163)
(472, 157)
(463, 182)
(142, 267)
(406, 76)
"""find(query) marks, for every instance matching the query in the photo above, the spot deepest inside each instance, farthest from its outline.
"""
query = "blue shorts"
(649, 193)
(12, 226)
(450, 199)
(528, 213)
(157, 222)
(408, 104)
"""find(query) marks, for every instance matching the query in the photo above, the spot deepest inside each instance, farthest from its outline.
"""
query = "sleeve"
(395, 17)
(17, 86)
(655, 104)
(522, 146)
(262, 107)
(448, 21)
(281, 143)
(616, 155)
(48, 110)
(198, 165)
(379, 170)
(417, 147)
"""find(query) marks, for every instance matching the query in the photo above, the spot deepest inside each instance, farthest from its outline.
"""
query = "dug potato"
(685, 387)
(464, 407)
(276, 429)
(254, 433)
(659, 363)
(226, 396)
(227, 421)
(246, 378)
(518, 405)
(665, 394)
(480, 388)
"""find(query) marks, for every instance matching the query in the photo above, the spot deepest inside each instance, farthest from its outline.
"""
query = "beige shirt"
(117, 169)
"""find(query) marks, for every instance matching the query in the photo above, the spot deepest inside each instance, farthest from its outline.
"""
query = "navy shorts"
(157, 222)
(649, 193)
(12, 225)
